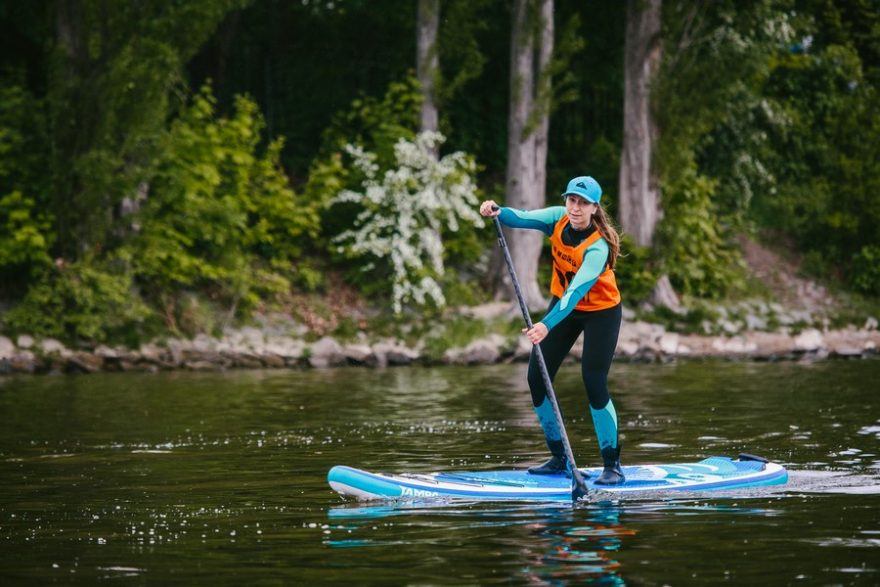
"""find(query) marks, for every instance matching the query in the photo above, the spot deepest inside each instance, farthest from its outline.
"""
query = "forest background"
(174, 167)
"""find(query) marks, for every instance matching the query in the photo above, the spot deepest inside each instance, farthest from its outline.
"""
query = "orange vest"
(566, 262)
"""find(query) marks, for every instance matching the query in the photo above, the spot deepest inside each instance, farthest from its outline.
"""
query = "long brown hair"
(606, 228)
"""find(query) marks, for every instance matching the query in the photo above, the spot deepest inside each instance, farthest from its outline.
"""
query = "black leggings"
(600, 329)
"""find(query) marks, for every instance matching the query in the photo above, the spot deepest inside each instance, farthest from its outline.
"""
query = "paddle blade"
(578, 485)
(579, 491)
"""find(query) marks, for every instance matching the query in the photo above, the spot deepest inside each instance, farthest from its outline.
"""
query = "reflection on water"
(575, 548)
(558, 542)
(185, 478)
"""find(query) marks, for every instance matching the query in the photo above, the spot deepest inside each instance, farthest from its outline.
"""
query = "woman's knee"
(536, 386)
(596, 383)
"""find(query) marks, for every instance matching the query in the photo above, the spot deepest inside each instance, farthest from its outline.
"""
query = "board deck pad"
(709, 474)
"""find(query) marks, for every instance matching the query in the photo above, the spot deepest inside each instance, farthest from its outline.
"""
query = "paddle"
(579, 486)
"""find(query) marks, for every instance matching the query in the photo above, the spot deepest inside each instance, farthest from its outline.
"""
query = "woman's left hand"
(536, 333)
(490, 209)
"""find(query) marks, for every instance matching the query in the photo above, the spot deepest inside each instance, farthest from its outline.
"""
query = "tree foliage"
(218, 217)
(219, 214)
(86, 301)
(114, 73)
(127, 198)
(767, 105)
(405, 211)
(26, 222)
(715, 59)
(826, 161)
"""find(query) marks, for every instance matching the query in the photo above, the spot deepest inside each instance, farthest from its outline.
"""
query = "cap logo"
(580, 184)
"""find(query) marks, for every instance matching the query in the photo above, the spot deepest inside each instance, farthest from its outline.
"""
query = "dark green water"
(180, 478)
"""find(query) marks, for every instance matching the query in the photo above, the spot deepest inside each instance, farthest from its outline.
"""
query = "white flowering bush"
(405, 212)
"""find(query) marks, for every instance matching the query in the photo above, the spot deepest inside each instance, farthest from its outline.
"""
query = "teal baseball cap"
(585, 187)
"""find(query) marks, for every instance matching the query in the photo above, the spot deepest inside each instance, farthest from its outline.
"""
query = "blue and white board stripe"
(709, 474)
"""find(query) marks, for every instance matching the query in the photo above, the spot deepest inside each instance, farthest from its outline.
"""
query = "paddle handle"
(580, 487)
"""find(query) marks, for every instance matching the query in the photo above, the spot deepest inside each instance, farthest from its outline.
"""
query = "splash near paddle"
(713, 473)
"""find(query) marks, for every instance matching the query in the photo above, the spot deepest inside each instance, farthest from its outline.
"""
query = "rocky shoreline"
(269, 348)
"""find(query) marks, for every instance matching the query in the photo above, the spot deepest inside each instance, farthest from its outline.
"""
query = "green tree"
(88, 301)
(404, 212)
(114, 74)
(826, 159)
(716, 59)
(382, 127)
(26, 235)
(795, 150)
(220, 216)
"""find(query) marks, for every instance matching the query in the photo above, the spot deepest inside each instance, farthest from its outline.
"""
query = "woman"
(585, 300)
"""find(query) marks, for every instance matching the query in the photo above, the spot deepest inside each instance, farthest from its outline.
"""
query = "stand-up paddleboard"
(709, 474)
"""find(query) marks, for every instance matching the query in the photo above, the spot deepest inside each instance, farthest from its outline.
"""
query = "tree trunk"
(70, 61)
(528, 123)
(639, 187)
(639, 190)
(427, 62)
(543, 90)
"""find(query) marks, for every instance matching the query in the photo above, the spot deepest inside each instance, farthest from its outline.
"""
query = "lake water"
(189, 478)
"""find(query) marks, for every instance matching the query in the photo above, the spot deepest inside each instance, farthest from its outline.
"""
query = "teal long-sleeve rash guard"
(595, 257)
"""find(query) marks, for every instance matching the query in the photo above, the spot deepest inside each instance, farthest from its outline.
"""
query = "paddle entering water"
(579, 486)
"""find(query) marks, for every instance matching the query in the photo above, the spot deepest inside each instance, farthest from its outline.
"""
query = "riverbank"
(285, 345)
(795, 319)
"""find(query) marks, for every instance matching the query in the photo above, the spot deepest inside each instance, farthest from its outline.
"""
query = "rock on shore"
(258, 348)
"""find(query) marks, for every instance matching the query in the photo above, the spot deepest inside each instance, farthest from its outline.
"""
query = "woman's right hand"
(490, 209)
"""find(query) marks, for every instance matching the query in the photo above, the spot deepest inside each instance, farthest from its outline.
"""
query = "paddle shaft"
(580, 486)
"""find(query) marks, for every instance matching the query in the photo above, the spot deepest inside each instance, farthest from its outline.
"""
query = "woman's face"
(580, 211)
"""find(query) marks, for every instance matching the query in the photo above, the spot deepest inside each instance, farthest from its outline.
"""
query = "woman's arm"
(595, 258)
(544, 219)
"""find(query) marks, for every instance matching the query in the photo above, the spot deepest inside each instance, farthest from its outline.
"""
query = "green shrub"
(635, 271)
(404, 212)
(374, 124)
(866, 270)
(84, 302)
(825, 160)
(377, 124)
(25, 233)
(26, 222)
(220, 217)
(697, 253)
(379, 127)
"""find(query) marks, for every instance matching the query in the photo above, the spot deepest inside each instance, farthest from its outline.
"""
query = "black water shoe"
(612, 473)
(555, 466)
